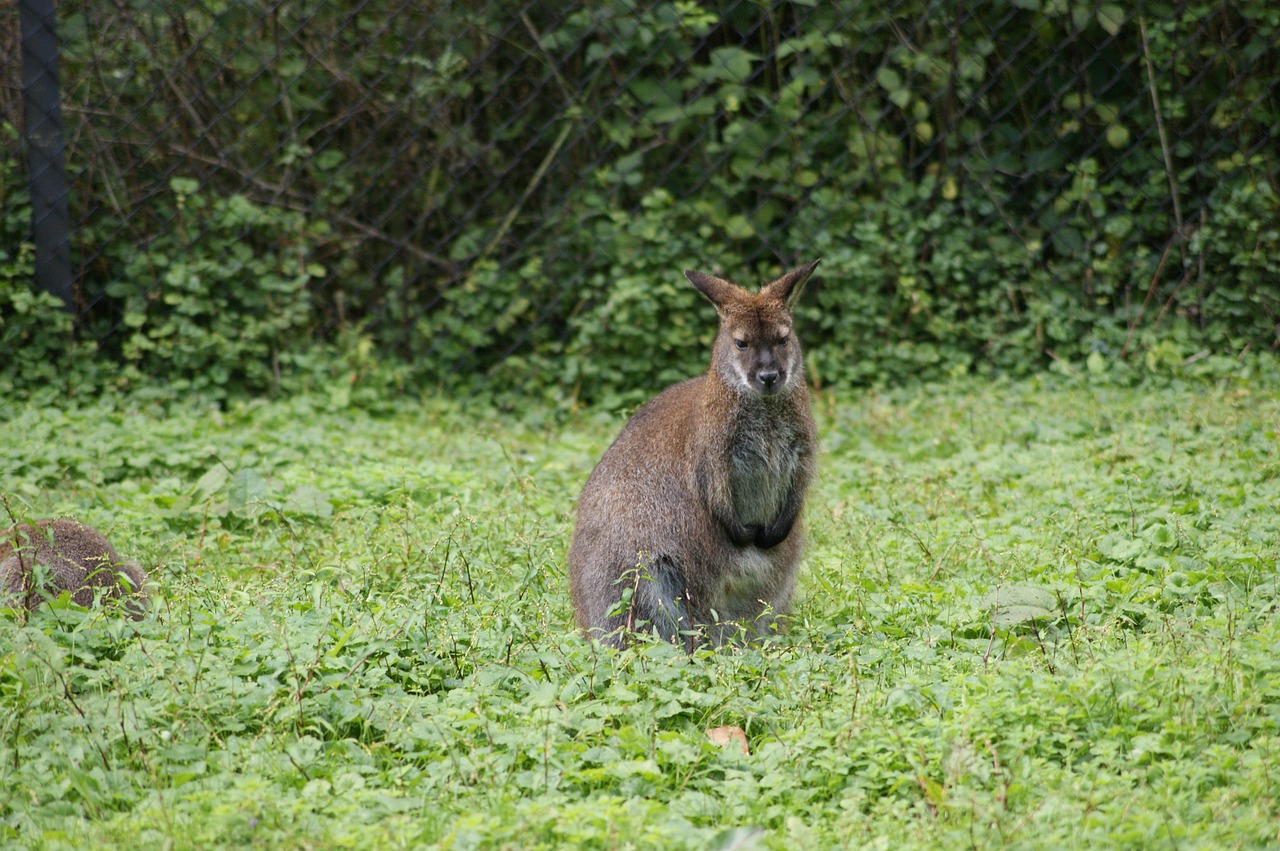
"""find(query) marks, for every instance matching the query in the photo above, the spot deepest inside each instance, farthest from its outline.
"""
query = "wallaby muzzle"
(771, 380)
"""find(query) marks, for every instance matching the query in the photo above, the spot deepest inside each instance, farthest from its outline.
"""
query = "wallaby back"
(45, 558)
(690, 523)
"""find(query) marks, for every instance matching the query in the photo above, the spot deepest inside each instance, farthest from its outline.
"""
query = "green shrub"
(41, 352)
(504, 203)
(222, 298)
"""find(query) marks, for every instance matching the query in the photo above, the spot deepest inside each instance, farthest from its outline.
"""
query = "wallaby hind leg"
(652, 596)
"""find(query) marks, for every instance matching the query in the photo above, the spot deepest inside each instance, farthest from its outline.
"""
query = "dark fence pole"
(50, 220)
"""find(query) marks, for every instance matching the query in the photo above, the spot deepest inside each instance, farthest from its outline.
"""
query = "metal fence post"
(50, 219)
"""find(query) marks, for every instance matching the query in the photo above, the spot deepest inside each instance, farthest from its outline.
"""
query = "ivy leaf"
(1110, 17)
(1017, 604)
(248, 490)
(310, 502)
(889, 79)
(1007, 617)
(211, 483)
(1117, 135)
(732, 63)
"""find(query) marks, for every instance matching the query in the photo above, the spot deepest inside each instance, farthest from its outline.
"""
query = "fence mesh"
(392, 154)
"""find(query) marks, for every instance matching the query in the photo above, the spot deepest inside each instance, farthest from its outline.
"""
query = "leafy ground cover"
(1033, 614)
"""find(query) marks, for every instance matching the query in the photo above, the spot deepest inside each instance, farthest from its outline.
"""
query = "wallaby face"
(754, 350)
(45, 558)
(689, 526)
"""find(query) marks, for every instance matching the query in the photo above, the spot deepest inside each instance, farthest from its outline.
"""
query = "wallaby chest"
(764, 460)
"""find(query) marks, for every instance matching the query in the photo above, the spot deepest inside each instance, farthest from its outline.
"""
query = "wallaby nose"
(768, 378)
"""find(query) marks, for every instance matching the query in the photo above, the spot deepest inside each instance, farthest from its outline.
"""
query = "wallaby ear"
(787, 288)
(717, 290)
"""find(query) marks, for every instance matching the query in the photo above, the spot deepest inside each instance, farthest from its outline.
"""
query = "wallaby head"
(755, 350)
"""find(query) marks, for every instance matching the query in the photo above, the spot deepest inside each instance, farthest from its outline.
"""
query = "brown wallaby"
(45, 558)
(690, 523)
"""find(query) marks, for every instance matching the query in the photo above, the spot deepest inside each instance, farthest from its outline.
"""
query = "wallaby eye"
(783, 341)
(742, 344)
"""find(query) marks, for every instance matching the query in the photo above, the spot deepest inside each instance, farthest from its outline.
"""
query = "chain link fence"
(464, 182)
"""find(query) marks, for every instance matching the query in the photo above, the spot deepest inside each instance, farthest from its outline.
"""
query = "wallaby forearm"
(721, 508)
(770, 536)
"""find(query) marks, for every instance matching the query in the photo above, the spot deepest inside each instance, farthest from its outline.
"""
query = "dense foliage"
(505, 193)
(1036, 614)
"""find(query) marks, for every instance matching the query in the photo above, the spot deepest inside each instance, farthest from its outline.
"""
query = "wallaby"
(45, 558)
(690, 523)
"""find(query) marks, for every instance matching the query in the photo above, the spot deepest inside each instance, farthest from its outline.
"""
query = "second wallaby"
(690, 523)
(45, 558)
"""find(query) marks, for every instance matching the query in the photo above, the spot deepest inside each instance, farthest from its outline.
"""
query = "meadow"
(1035, 613)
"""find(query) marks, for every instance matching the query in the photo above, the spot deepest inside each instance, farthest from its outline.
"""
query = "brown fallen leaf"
(728, 735)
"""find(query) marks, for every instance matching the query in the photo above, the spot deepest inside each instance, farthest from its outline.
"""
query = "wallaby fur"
(45, 558)
(690, 523)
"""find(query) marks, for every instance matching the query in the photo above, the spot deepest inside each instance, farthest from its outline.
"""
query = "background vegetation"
(1034, 614)
(1040, 602)
(500, 196)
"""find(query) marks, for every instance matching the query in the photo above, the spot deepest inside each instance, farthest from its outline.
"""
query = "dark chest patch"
(764, 464)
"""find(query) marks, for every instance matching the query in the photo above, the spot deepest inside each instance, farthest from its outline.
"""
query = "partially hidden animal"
(689, 525)
(42, 559)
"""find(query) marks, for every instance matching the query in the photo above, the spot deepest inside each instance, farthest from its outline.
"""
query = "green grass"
(1040, 614)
